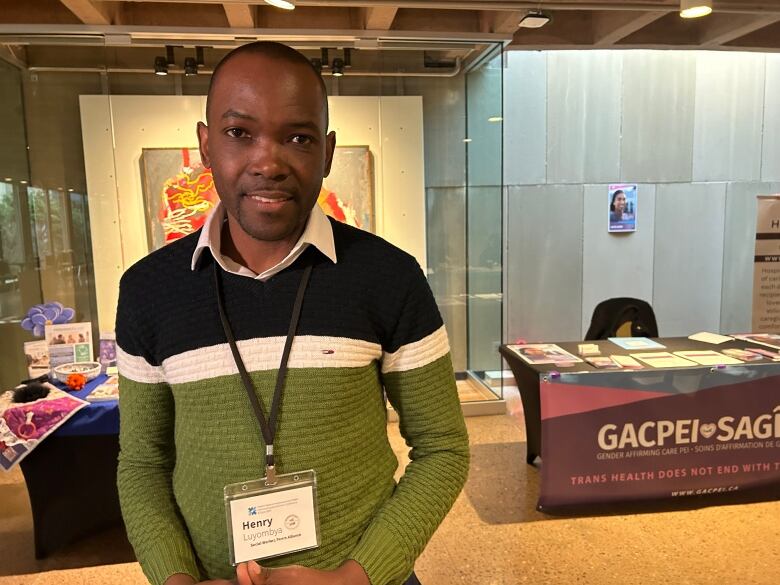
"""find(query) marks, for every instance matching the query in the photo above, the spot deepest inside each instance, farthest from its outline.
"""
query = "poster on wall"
(622, 208)
(766, 266)
(179, 191)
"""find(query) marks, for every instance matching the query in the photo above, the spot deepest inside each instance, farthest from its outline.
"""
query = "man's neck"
(257, 255)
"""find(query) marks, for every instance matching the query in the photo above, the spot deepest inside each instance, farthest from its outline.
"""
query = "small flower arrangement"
(38, 315)
(76, 381)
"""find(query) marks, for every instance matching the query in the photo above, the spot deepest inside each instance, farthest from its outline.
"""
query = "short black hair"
(274, 51)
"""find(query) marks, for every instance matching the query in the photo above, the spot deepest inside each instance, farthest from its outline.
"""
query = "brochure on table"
(543, 353)
(69, 343)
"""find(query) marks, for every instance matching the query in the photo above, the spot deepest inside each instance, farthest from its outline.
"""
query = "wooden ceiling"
(734, 24)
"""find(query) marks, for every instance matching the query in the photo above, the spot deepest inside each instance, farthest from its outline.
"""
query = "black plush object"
(609, 315)
(31, 392)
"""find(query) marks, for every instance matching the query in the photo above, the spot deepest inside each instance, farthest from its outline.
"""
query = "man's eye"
(301, 139)
(236, 133)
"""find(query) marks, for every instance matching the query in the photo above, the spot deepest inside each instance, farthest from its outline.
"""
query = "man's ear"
(330, 148)
(203, 144)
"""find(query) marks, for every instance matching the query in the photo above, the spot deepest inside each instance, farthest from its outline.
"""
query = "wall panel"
(583, 116)
(659, 88)
(689, 233)
(729, 116)
(543, 262)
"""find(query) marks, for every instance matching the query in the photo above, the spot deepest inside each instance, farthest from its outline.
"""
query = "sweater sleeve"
(147, 452)
(420, 384)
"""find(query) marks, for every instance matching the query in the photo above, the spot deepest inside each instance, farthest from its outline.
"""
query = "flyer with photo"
(107, 349)
(622, 208)
(544, 353)
(37, 355)
(69, 343)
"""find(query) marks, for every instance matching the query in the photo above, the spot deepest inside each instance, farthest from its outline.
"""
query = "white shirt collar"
(318, 232)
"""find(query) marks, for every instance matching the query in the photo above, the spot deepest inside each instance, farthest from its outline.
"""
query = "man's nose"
(267, 159)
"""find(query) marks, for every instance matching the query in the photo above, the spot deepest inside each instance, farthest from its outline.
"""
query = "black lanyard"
(268, 427)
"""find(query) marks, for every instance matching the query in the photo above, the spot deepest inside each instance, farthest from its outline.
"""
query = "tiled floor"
(493, 536)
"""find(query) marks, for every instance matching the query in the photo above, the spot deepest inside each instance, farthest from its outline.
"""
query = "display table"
(71, 476)
(654, 433)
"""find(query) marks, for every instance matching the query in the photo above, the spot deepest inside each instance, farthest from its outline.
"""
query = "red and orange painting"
(179, 191)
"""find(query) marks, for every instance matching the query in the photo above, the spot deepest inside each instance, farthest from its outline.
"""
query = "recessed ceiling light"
(284, 4)
(695, 8)
(535, 19)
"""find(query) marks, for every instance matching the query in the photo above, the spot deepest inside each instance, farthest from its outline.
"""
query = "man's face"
(266, 144)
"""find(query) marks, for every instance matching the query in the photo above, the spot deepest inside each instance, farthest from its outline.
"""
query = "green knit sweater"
(369, 323)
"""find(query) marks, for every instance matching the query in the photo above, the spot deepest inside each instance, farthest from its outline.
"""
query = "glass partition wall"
(95, 133)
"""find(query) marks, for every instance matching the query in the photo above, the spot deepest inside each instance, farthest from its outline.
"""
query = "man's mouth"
(269, 200)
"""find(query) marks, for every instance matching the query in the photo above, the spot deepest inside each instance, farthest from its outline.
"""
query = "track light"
(338, 67)
(283, 4)
(535, 19)
(190, 66)
(317, 64)
(160, 66)
(695, 8)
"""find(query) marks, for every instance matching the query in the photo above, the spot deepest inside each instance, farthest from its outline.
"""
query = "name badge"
(267, 521)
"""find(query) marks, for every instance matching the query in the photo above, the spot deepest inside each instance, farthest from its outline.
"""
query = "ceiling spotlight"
(283, 4)
(338, 67)
(317, 64)
(160, 66)
(535, 19)
(190, 66)
(695, 8)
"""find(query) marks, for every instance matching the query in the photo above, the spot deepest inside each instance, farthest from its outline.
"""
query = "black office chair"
(622, 317)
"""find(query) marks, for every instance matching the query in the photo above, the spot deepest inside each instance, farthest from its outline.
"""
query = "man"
(368, 322)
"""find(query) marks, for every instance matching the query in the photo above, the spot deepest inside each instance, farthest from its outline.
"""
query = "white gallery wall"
(698, 131)
(115, 129)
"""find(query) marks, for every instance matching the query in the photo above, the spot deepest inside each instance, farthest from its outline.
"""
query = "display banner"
(766, 266)
(618, 436)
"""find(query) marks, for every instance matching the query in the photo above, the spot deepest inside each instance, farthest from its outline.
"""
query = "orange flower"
(76, 381)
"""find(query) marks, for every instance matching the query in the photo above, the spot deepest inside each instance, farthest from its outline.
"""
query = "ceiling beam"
(240, 15)
(722, 31)
(380, 17)
(506, 22)
(611, 27)
(88, 12)
(723, 6)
